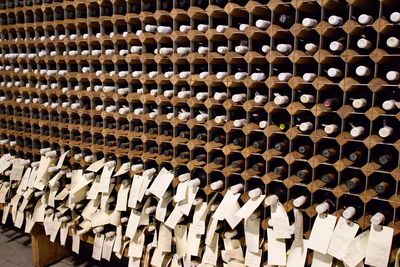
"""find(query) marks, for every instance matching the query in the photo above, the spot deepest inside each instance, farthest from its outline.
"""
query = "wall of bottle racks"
(295, 98)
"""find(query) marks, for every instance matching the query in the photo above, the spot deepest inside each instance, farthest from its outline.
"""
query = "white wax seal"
(284, 48)
(263, 124)
(359, 103)
(334, 72)
(305, 126)
(389, 104)
(254, 193)
(310, 47)
(284, 76)
(363, 71)
(299, 201)
(221, 28)
(306, 98)
(335, 20)
(322, 208)
(265, 49)
(271, 200)
(349, 212)
(201, 95)
(220, 96)
(336, 46)
(385, 131)
(239, 123)
(309, 76)
(365, 19)
(330, 128)
(262, 24)
(392, 75)
(377, 219)
(364, 43)
(307, 22)
(238, 98)
(393, 42)
(357, 131)
(220, 119)
(281, 99)
(216, 185)
(395, 17)
(260, 99)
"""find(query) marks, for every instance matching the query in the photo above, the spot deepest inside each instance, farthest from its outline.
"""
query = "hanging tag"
(161, 183)
(164, 238)
(180, 232)
(343, 234)
(76, 241)
(252, 234)
(321, 260)
(253, 259)
(280, 221)
(210, 255)
(323, 224)
(98, 246)
(298, 228)
(356, 250)
(379, 245)
(105, 178)
(297, 255)
(276, 249)
(249, 207)
(107, 248)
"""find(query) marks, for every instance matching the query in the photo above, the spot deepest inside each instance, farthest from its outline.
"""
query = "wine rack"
(293, 97)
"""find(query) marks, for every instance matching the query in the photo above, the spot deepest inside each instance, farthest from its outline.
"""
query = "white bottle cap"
(395, 17)
(238, 98)
(357, 131)
(262, 24)
(389, 104)
(194, 183)
(284, 48)
(201, 117)
(271, 200)
(365, 19)
(220, 119)
(392, 75)
(184, 177)
(201, 95)
(322, 208)
(221, 75)
(359, 103)
(260, 99)
(310, 47)
(263, 124)
(330, 128)
(349, 212)
(243, 27)
(334, 72)
(239, 123)
(236, 188)
(363, 71)
(336, 46)
(305, 126)
(377, 219)
(240, 75)
(136, 167)
(184, 116)
(335, 20)
(217, 185)
(364, 43)
(184, 28)
(169, 93)
(385, 131)
(265, 49)
(254, 193)
(183, 94)
(284, 76)
(299, 201)
(222, 49)
(307, 99)
(281, 99)
(393, 42)
(258, 76)
(220, 96)
(203, 74)
(309, 76)
(307, 22)
(221, 28)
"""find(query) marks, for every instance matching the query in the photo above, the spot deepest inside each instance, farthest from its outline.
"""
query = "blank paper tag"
(356, 250)
(321, 260)
(181, 191)
(164, 238)
(96, 166)
(122, 197)
(6, 211)
(253, 259)
(223, 208)
(378, 248)
(161, 183)
(180, 232)
(174, 218)
(297, 255)
(61, 159)
(76, 241)
(342, 235)
(161, 210)
(193, 242)
(249, 207)
(136, 245)
(158, 258)
(123, 169)
(105, 178)
(98, 246)
(280, 221)
(323, 224)
(210, 255)
(276, 249)
(107, 248)
(63, 233)
(186, 205)
(133, 223)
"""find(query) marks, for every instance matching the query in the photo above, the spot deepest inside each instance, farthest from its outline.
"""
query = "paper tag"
(161, 183)
(122, 197)
(23, 185)
(19, 219)
(379, 245)
(105, 178)
(174, 218)
(180, 232)
(252, 234)
(210, 255)
(98, 246)
(280, 221)
(134, 262)
(105, 196)
(199, 218)
(161, 210)
(193, 242)
(253, 259)
(94, 189)
(133, 223)
(158, 258)
(61, 159)
(17, 170)
(181, 191)
(356, 250)
(298, 229)
(225, 205)
(211, 228)
(297, 255)
(321, 260)
(76, 241)
(164, 238)
(137, 182)
(6, 211)
(63, 233)
(249, 207)
(343, 234)
(107, 248)
(276, 249)
(4, 163)
(136, 245)
(123, 169)
(186, 205)
(54, 232)
(323, 224)
(42, 176)
(96, 166)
